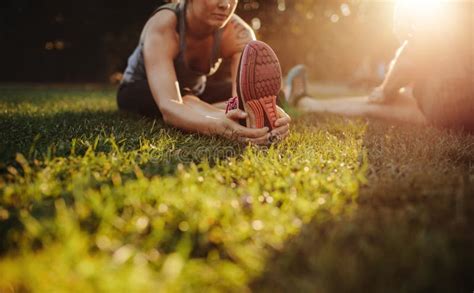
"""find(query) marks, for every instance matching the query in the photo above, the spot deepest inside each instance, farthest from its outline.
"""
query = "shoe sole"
(258, 84)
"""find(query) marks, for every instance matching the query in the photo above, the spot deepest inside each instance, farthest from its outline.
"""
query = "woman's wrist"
(214, 124)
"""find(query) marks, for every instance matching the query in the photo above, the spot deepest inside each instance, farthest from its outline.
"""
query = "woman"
(180, 46)
(430, 81)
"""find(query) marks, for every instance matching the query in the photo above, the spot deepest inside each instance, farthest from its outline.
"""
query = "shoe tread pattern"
(260, 78)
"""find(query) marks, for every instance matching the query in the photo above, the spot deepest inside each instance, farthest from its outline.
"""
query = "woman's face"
(215, 13)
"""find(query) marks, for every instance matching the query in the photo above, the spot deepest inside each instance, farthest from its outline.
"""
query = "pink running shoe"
(258, 84)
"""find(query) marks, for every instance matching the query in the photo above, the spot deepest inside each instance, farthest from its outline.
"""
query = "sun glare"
(420, 9)
(417, 14)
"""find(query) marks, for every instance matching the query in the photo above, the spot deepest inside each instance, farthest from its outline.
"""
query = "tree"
(89, 40)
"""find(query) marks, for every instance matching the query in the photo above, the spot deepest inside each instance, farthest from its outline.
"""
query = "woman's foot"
(258, 84)
(295, 85)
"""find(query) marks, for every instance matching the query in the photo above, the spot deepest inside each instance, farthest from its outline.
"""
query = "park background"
(95, 200)
(90, 41)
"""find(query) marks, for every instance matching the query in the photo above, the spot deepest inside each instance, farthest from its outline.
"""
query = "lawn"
(96, 200)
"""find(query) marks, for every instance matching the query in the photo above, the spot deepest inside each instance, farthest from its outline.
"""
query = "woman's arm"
(400, 74)
(188, 112)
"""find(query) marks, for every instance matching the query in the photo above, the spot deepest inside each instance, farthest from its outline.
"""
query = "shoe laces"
(232, 104)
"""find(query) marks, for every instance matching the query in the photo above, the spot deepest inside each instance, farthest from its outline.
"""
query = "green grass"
(96, 200)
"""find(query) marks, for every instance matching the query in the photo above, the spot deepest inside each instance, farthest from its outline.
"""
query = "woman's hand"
(282, 125)
(229, 127)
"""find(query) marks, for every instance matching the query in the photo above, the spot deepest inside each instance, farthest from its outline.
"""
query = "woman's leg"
(217, 93)
(403, 108)
(137, 98)
(396, 105)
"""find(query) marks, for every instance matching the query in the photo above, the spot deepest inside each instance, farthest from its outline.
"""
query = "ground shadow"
(410, 230)
(22, 132)
(55, 135)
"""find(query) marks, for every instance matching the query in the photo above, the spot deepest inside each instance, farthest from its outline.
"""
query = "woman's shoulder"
(237, 33)
(161, 28)
(163, 20)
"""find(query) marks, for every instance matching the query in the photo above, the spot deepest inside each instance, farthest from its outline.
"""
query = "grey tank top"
(190, 81)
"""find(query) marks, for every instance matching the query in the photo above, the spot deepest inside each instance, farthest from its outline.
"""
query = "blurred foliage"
(333, 38)
(90, 40)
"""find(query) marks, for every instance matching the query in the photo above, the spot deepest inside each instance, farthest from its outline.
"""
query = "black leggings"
(137, 98)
